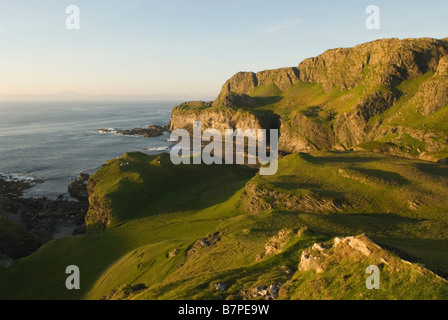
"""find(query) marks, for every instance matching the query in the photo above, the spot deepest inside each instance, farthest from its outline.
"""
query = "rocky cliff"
(390, 91)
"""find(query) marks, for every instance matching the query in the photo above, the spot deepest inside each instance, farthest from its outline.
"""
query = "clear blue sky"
(185, 47)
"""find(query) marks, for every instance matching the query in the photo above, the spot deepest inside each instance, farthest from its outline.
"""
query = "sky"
(185, 47)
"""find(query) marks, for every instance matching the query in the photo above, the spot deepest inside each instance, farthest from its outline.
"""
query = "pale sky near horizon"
(186, 47)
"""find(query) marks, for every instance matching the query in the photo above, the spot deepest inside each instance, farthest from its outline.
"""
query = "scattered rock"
(125, 292)
(37, 220)
(220, 287)
(414, 205)
(173, 253)
(286, 270)
(208, 241)
(261, 292)
(78, 187)
(148, 132)
(276, 244)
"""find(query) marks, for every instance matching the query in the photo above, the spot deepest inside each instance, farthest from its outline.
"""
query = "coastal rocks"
(12, 186)
(28, 223)
(147, 132)
(78, 187)
(183, 116)
(99, 213)
(50, 216)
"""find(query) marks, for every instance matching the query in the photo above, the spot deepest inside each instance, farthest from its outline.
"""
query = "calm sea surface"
(55, 141)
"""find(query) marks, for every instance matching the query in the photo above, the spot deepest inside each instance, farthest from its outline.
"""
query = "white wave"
(157, 148)
(9, 177)
(109, 130)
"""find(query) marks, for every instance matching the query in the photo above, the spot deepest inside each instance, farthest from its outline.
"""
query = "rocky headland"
(387, 96)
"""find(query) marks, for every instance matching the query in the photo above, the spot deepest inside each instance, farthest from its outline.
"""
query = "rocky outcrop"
(222, 119)
(147, 132)
(374, 68)
(385, 61)
(99, 213)
(256, 198)
(301, 134)
(321, 257)
(78, 187)
(276, 244)
(209, 240)
(28, 223)
(433, 94)
(243, 83)
(351, 128)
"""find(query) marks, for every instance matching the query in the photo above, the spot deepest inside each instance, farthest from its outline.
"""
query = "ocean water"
(54, 141)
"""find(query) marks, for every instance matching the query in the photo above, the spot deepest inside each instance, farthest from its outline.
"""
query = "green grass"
(185, 203)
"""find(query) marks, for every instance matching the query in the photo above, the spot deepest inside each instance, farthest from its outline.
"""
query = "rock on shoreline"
(28, 223)
(147, 132)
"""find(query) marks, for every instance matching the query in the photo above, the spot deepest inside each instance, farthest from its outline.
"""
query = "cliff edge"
(388, 96)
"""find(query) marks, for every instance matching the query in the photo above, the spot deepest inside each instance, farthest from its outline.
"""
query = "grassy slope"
(178, 211)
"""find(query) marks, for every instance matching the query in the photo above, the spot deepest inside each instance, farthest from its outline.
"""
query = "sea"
(52, 142)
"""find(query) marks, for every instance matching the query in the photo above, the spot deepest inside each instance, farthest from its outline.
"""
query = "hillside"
(387, 96)
(353, 189)
(223, 232)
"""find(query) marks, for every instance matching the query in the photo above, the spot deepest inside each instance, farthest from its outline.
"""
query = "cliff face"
(389, 91)
(220, 119)
(246, 82)
(386, 61)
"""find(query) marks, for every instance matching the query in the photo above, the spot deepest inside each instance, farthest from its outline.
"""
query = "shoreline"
(28, 223)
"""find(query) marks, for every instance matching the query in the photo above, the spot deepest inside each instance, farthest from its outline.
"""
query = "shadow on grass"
(387, 176)
(344, 157)
(434, 169)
